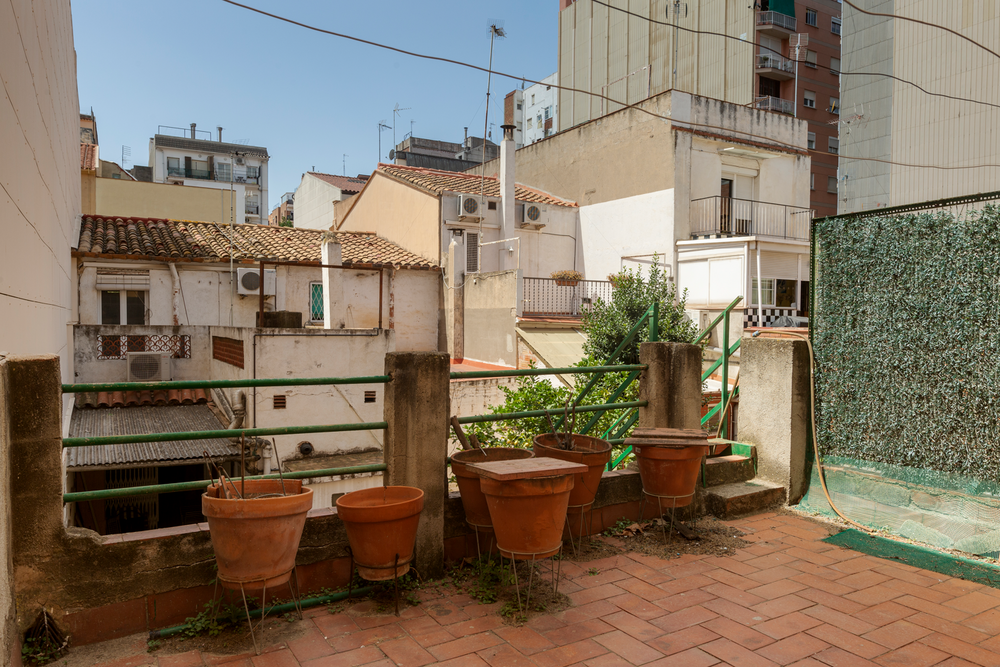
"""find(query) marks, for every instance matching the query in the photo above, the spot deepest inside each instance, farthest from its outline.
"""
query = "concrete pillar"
(671, 385)
(774, 409)
(417, 407)
(333, 286)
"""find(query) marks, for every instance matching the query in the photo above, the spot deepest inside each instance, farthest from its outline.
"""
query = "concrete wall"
(491, 317)
(415, 306)
(40, 172)
(88, 367)
(650, 221)
(402, 214)
(120, 197)
(88, 192)
(314, 200)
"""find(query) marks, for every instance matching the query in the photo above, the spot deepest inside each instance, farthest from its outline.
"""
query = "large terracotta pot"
(381, 525)
(670, 471)
(477, 512)
(256, 539)
(528, 514)
(591, 452)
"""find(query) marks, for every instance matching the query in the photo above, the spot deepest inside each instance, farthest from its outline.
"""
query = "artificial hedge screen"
(907, 339)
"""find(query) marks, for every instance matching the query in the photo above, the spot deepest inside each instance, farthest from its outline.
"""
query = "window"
(767, 292)
(532, 98)
(539, 120)
(472, 252)
(491, 206)
(253, 172)
(809, 99)
(834, 145)
(315, 302)
(835, 66)
(835, 25)
(519, 106)
(548, 112)
(123, 306)
(831, 183)
(174, 167)
(811, 18)
(810, 58)
(769, 87)
(834, 105)
(531, 122)
(811, 145)
(812, 181)
(116, 175)
(223, 171)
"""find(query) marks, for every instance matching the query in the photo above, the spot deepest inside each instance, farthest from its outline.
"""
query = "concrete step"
(728, 469)
(731, 500)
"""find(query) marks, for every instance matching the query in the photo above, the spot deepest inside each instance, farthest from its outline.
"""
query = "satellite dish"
(392, 154)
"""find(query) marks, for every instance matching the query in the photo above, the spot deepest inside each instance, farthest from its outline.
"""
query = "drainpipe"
(506, 191)
(239, 410)
(265, 457)
(760, 289)
(176, 302)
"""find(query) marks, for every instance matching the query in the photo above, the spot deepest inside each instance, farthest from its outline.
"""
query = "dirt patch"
(506, 586)
(653, 538)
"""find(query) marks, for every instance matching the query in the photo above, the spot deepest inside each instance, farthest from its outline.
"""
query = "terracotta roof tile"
(439, 182)
(88, 156)
(208, 241)
(347, 184)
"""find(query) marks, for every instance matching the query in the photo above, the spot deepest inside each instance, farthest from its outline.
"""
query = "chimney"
(219, 128)
(193, 125)
(465, 142)
(506, 185)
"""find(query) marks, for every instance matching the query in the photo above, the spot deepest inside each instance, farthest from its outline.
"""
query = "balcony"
(770, 103)
(775, 24)
(550, 298)
(175, 172)
(201, 174)
(774, 66)
(252, 209)
(729, 216)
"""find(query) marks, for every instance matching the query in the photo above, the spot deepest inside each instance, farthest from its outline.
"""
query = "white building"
(203, 163)
(533, 111)
(316, 195)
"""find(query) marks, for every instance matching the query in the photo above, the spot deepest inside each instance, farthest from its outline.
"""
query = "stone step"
(728, 469)
(731, 500)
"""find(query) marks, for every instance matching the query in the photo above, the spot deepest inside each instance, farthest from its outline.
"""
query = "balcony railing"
(776, 19)
(770, 103)
(175, 171)
(773, 61)
(728, 216)
(545, 296)
(203, 174)
(252, 210)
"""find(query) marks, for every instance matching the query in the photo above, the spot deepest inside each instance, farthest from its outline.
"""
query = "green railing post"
(725, 369)
(654, 323)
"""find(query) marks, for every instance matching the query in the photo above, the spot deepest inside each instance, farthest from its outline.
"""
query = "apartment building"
(889, 126)
(285, 210)
(533, 111)
(631, 51)
(194, 160)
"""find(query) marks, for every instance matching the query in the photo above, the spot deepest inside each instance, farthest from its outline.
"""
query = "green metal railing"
(723, 361)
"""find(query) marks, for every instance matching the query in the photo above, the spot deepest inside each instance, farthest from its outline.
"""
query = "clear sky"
(308, 98)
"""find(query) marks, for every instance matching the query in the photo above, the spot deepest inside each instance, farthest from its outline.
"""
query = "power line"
(624, 105)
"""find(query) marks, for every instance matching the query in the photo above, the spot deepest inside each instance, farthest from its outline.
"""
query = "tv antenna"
(381, 126)
(679, 10)
(395, 115)
(345, 164)
(126, 155)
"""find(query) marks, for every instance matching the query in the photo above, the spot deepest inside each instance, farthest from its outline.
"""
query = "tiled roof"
(128, 399)
(439, 182)
(88, 156)
(203, 146)
(347, 184)
(140, 238)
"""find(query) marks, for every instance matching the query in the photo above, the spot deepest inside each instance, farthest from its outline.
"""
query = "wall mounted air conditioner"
(531, 216)
(470, 207)
(148, 367)
(248, 282)
(239, 160)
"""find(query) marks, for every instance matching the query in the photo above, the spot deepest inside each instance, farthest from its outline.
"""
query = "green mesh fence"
(906, 332)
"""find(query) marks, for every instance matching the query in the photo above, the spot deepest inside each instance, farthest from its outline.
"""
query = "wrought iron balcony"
(177, 172)
(770, 103)
(775, 66)
(729, 216)
(545, 296)
(775, 24)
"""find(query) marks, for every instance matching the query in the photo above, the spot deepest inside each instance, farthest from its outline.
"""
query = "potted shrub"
(567, 278)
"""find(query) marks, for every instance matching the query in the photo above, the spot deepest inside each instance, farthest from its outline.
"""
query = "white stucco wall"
(314, 203)
(638, 225)
(40, 203)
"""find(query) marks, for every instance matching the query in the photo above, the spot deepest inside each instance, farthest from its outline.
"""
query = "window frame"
(836, 25)
(764, 290)
(833, 145)
(834, 107)
(812, 59)
(815, 17)
(812, 181)
(835, 70)
(811, 141)
(806, 102)
(123, 296)
(313, 284)
(836, 184)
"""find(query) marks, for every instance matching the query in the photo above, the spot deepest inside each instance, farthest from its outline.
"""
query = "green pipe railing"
(219, 433)
(207, 384)
(104, 494)
(478, 419)
(475, 375)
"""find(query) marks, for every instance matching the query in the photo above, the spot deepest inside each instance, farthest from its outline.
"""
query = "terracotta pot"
(670, 471)
(477, 512)
(381, 525)
(566, 283)
(528, 514)
(256, 539)
(591, 452)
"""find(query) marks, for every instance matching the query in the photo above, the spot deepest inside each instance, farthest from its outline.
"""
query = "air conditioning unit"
(148, 366)
(470, 206)
(248, 282)
(240, 160)
(531, 216)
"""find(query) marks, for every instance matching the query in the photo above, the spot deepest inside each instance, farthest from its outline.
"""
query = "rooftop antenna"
(411, 127)
(396, 114)
(345, 164)
(381, 126)
(126, 154)
(496, 32)
(679, 10)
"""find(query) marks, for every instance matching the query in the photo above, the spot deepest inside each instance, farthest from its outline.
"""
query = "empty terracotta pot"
(477, 513)
(670, 471)
(381, 525)
(528, 514)
(591, 452)
(256, 539)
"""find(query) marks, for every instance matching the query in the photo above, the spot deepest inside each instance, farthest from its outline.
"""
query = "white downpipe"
(760, 290)
(176, 302)
(265, 457)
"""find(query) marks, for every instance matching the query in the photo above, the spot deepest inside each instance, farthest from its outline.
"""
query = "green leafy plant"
(593, 571)
(154, 645)
(39, 650)
(215, 618)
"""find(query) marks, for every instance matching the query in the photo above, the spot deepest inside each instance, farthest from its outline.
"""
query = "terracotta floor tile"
(130, 661)
(774, 574)
(686, 583)
(776, 589)
(848, 642)
(544, 623)
(577, 631)
(956, 662)
(682, 640)
(966, 634)
(601, 577)
(643, 589)
(838, 602)
(366, 637)
(375, 621)
(783, 605)
(312, 644)
(283, 658)
(636, 627)
(916, 590)
(771, 560)
(474, 626)
(432, 637)
(445, 612)
(973, 603)
(527, 640)
(836, 657)
(684, 618)
(912, 655)
(359, 656)
(241, 662)
(384, 662)
(862, 580)
(638, 607)
(464, 646)
(420, 624)
(730, 579)
(810, 556)
(956, 587)
(588, 611)
(808, 662)
(734, 611)
(941, 611)
(734, 566)
(988, 622)
(960, 649)
(334, 625)
(739, 633)
(561, 656)
(684, 600)
(898, 634)
(736, 595)
(792, 649)
(874, 595)
(734, 654)
(470, 660)
(216, 659)
(848, 622)
(885, 613)
(505, 655)
(814, 581)
(787, 625)
(630, 648)
(690, 658)
(597, 593)
(407, 653)
(906, 574)
(477, 609)
(186, 659)
(608, 660)
(855, 565)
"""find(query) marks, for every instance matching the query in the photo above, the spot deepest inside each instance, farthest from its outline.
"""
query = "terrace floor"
(788, 599)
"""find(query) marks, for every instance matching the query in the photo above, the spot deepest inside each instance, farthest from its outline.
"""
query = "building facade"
(193, 161)
(888, 124)
(533, 111)
(317, 196)
(285, 210)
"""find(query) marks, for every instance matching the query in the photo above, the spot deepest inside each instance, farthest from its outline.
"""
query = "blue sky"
(309, 98)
